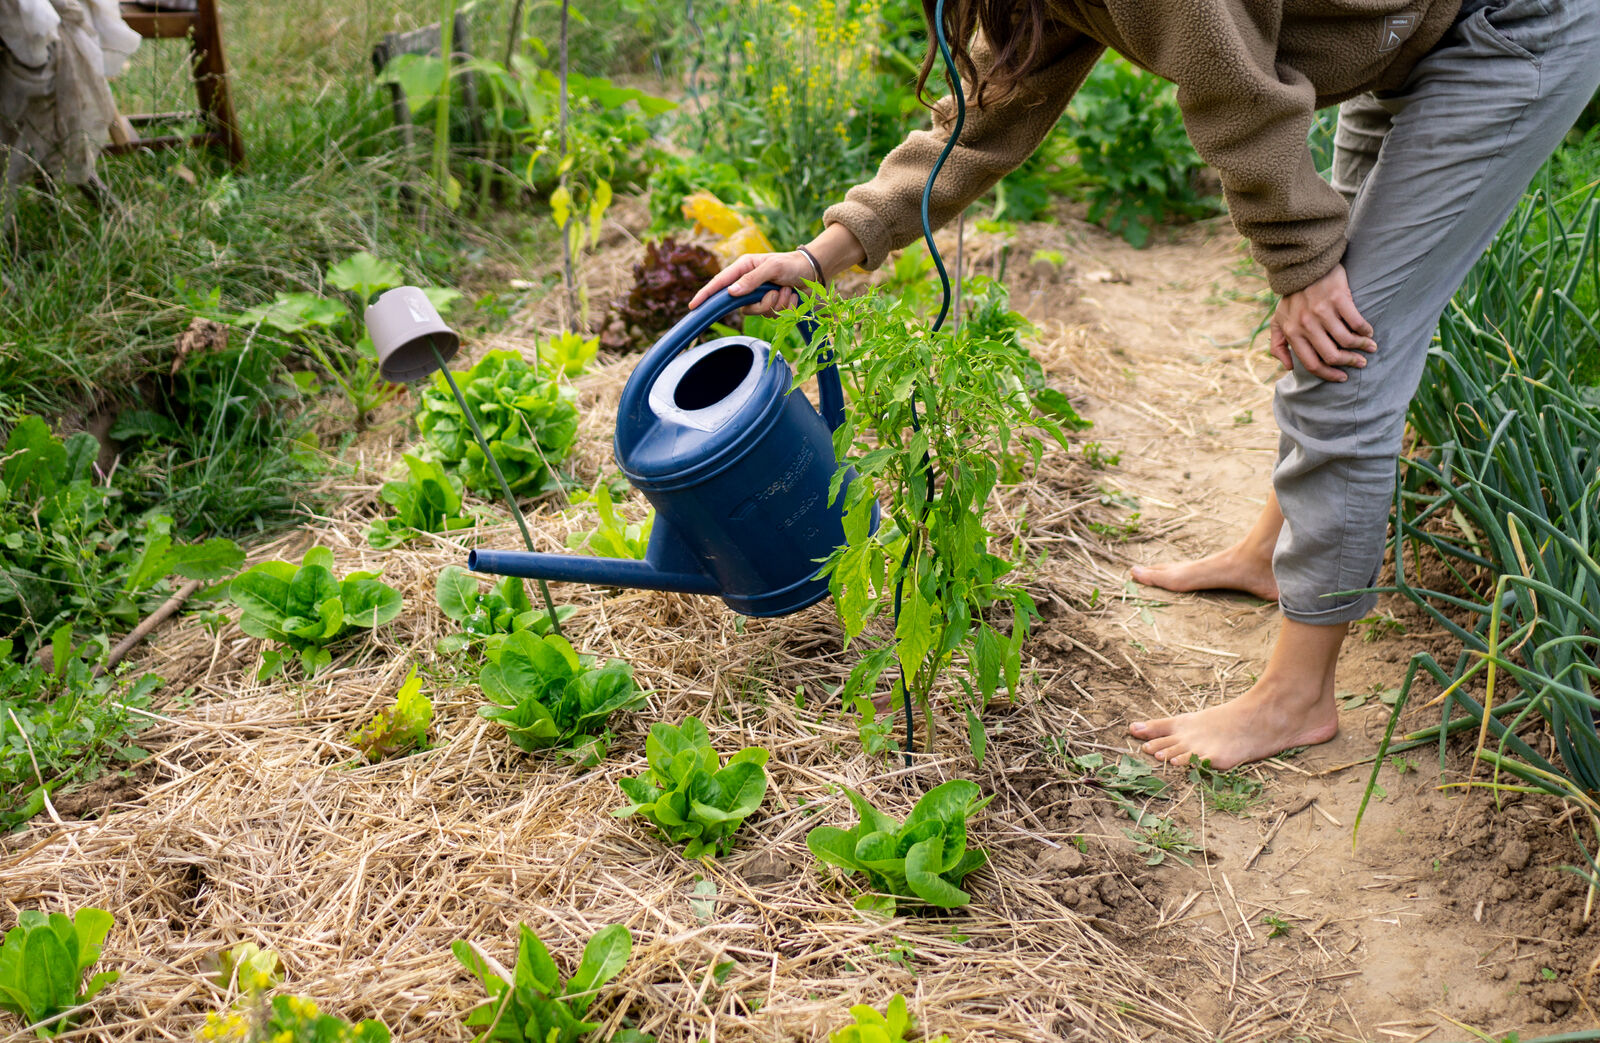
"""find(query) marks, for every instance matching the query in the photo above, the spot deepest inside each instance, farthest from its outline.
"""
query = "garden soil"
(252, 822)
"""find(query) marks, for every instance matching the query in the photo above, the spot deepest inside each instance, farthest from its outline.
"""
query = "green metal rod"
(505, 487)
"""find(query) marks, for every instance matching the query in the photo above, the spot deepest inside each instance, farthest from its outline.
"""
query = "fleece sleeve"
(886, 213)
(1248, 115)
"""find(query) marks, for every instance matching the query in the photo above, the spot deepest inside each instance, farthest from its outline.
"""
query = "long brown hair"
(1013, 28)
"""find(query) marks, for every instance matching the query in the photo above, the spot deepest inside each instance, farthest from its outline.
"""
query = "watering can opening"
(708, 385)
(714, 376)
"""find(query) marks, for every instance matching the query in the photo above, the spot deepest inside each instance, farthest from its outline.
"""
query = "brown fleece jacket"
(1249, 75)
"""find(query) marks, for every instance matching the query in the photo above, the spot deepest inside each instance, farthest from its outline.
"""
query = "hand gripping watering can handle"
(692, 325)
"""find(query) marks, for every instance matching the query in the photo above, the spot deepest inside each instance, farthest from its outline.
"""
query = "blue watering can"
(738, 469)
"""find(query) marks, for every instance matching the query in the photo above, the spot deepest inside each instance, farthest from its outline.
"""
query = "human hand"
(1321, 327)
(745, 274)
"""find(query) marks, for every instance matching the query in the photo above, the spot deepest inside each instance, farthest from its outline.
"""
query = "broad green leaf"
(456, 592)
(321, 556)
(744, 786)
(872, 820)
(534, 966)
(365, 275)
(211, 560)
(369, 602)
(922, 875)
(603, 959)
(833, 846)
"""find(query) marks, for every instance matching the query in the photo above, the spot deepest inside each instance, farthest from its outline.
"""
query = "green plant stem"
(505, 487)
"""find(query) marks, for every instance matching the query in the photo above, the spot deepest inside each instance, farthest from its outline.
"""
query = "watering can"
(737, 467)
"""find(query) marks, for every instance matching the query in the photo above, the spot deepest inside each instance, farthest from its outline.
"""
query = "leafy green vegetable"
(307, 609)
(613, 537)
(531, 1005)
(402, 728)
(546, 695)
(871, 1027)
(42, 963)
(691, 796)
(528, 420)
(923, 860)
(488, 617)
(429, 500)
(567, 353)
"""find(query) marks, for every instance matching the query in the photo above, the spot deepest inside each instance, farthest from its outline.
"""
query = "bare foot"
(1258, 724)
(1236, 568)
(1291, 705)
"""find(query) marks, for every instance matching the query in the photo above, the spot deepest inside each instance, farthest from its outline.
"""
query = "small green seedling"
(289, 1019)
(1099, 457)
(547, 696)
(893, 1026)
(429, 500)
(1277, 925)
(612, 537)
(42, 963)
(567, 353)
(248, 967)
(490, 617)
(689, 794)
(1226, 791)
(400, 729)
(306, 609)
(531, 1005)
(1128, 777)
(923, 860)
(1156, 838)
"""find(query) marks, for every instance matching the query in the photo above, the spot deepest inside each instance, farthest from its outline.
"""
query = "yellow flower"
(301, 1007)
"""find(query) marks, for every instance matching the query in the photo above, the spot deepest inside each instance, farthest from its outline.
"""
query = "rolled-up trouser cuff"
(1347, 612)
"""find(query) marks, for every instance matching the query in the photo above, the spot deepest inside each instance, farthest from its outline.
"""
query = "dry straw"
(254, 825)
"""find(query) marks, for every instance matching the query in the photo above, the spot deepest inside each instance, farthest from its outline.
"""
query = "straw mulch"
(256, 825)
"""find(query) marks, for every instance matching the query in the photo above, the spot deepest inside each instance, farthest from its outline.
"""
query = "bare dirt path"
(1448, 914)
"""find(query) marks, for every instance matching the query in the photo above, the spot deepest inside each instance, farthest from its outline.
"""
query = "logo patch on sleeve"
(1396, 28)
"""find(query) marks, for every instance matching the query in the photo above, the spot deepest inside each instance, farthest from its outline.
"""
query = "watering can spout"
(667, 565)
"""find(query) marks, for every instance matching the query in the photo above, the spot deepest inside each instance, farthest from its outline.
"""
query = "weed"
(1100, 458)
(1156, 838)
(1118, 531)
(1277, 924)
(1385, 624)
(1226, 791)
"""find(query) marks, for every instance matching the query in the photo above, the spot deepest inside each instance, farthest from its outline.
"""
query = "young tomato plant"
(546, 695)
(689, 794)
(921, 861)
(934, 425)
(305, 609)
(487, 617)
(42, 963)
(531, 1004)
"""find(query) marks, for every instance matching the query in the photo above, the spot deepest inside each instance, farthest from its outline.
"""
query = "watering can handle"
(692, 325)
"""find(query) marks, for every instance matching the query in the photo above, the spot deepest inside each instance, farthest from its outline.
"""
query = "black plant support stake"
(505, 488)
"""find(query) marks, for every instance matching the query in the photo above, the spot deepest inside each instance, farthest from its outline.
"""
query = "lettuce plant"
(399, 729)
(306, 609)
(922, 860)
(528, 420)
(42, 963)
(429, 500)
(490, 617)
(613, 536)
(546, 695)
(892, 1026)
(531, 1005)
(689, 794)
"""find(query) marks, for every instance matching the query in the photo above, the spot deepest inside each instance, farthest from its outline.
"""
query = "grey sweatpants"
(1433, 170)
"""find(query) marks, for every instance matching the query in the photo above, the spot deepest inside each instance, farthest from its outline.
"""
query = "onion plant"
(1505, 491)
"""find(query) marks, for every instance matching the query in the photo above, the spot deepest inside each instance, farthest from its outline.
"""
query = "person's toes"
(1151, 729)
(1155, 746)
